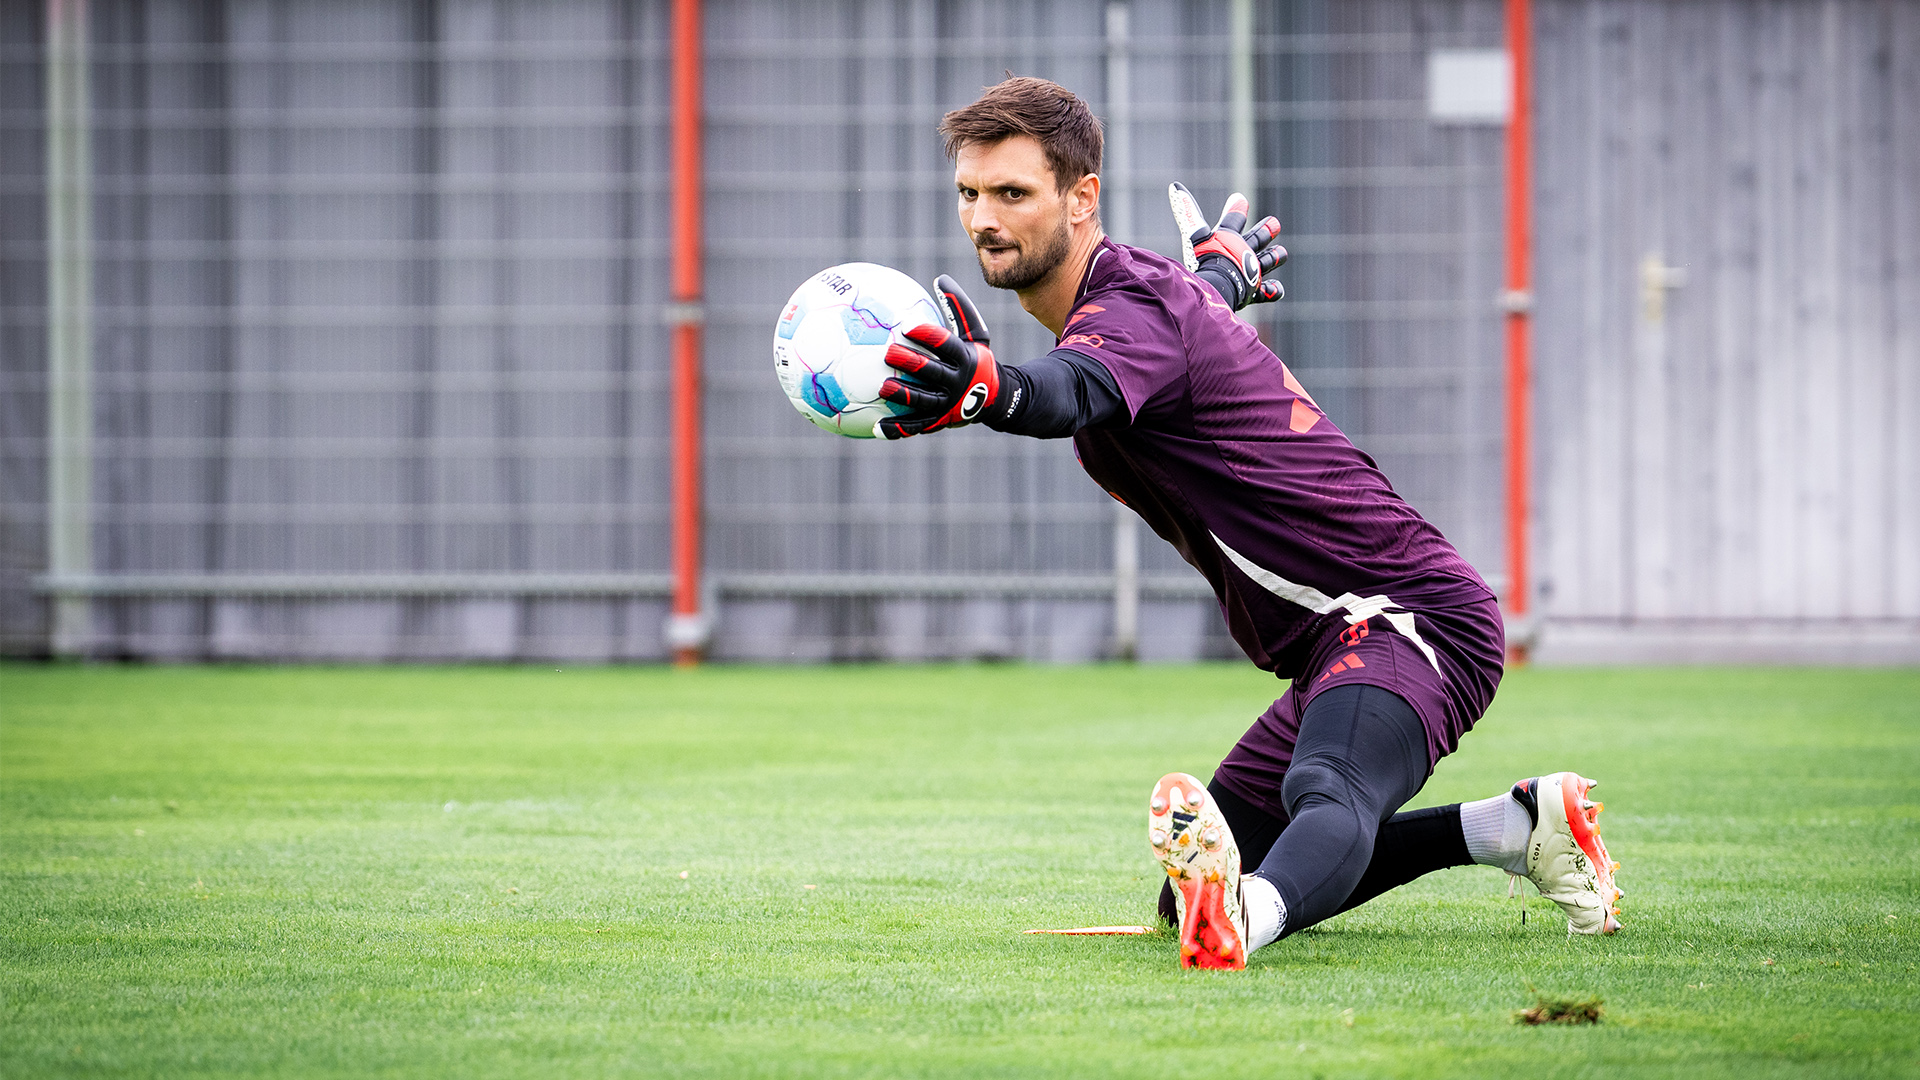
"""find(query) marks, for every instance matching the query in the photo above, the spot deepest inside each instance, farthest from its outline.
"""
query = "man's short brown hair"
(1051, 114)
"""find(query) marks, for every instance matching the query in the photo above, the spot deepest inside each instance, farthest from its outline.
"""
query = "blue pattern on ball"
(867, 322)
(822, 392)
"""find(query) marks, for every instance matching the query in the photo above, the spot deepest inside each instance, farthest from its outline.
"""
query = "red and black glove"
(950, 377)
(1233, 262)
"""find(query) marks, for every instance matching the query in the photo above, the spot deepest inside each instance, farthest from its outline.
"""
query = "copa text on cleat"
(1194, 845)
(1566, 859)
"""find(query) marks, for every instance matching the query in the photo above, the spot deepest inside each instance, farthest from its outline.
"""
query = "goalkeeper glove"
(1235, 263)
(951, 378)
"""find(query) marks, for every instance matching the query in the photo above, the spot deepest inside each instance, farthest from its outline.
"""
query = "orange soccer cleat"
(1566, 859)
(1193, 843)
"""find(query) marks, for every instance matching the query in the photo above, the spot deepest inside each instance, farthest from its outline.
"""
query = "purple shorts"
(1449, 691)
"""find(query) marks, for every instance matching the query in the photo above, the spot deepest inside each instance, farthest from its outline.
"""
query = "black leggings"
(1361, 753)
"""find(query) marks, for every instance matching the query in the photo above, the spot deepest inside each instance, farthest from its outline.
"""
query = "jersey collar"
(1086, 279)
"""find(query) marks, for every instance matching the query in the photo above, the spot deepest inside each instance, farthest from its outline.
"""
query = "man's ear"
(1086, 198)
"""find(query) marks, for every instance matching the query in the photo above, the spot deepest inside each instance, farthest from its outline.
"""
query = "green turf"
(485, 871)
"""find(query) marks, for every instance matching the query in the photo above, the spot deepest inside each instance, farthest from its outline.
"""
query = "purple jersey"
(1228, 459)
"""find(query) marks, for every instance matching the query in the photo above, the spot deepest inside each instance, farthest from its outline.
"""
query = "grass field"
(765, 872)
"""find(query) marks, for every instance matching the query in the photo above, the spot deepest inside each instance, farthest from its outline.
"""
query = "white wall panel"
(1736, 451)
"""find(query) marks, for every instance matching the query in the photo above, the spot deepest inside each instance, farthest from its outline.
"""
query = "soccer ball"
(830, 345)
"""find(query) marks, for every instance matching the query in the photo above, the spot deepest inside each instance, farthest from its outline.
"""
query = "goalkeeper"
(1392, 644)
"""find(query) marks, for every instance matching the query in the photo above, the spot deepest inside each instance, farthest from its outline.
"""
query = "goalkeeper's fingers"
(962, 317)
(1233, 216)
(916, 356)
(895, 429)
(1262, 234)
(1188, 219)
(1267, 292)
(920, 399)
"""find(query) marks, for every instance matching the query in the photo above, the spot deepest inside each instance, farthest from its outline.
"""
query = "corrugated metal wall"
(380, 298)
(1729, 329)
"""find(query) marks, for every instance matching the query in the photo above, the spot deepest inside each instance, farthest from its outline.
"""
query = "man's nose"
(981, 220)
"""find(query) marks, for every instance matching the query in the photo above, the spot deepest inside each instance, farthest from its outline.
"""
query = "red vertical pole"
(1519, 303)
(687, 627)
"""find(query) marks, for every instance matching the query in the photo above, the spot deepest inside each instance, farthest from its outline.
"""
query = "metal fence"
(378, 346)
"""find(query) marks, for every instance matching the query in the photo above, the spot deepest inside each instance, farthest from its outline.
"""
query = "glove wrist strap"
(1008, 404)
(1217, 271)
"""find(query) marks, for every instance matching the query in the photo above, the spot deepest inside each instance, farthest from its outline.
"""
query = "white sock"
(1266, 913)
(1497, 830)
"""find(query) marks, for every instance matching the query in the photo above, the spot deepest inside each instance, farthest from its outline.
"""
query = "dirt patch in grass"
(1546, 1010)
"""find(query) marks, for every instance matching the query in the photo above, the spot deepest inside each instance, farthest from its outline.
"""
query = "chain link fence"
(379, 361)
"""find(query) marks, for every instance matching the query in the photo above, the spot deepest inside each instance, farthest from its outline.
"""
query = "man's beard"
(1032, 265)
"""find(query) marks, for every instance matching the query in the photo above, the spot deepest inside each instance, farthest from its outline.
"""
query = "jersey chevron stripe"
(1358, 609)
(1305, 595)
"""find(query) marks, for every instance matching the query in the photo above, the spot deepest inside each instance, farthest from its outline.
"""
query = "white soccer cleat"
(1194, 845)
(1566, 860)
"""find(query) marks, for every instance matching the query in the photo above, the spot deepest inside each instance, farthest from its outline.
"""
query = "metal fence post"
(1242, 160)
(69, 320)
(1117, 207)
(688, 627)
(1518, 304)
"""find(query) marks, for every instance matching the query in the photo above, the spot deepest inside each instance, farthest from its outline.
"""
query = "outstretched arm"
(949, 378)
(1060, 393)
